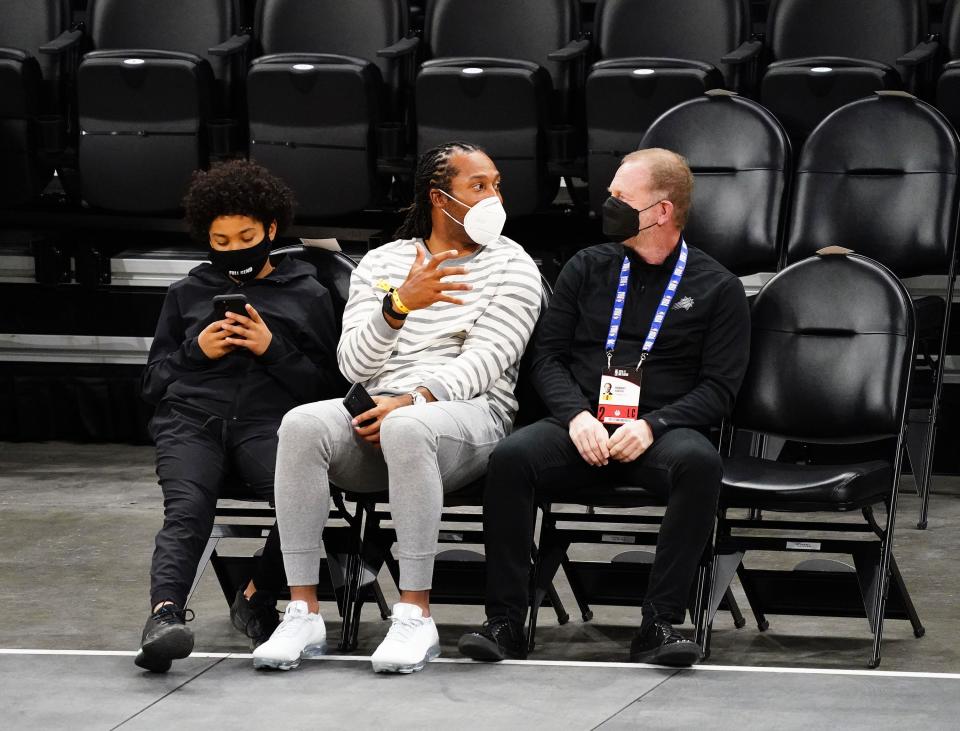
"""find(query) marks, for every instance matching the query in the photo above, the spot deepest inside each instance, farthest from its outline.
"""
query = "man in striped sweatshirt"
(435, 327)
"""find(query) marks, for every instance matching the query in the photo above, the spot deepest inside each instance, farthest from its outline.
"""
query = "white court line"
(534, 663)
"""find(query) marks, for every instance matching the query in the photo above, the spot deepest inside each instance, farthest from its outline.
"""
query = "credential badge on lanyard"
(620, 387)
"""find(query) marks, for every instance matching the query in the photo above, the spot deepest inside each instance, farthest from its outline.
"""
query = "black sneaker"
(256, 617)
(166, 637)
(660, 644)
(497, 640)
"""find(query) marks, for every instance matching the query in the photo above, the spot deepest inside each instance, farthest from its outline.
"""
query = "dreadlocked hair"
(433, 171)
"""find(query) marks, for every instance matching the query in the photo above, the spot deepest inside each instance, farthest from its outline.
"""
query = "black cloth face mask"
(621, 221)
(242, 264)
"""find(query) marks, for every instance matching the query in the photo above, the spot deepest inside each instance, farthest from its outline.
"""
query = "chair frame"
(874, 574)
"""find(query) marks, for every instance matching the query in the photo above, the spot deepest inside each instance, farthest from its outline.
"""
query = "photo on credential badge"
(619, 397)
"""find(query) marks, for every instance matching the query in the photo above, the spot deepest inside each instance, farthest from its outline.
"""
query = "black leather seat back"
(948, 84)
(687, 29)
(527, 30)
(831, 350)
(876, 31)
(879, 176)
(28, 24)
(357, 28)
(334, 269)
(532, 407)
(740, 158)
(183, 26)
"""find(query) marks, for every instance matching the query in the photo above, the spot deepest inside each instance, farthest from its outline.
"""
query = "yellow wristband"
(398, 303)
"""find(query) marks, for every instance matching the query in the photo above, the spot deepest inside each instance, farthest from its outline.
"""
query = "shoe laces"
(495, 626)
(290, 625)
(170, 614)
(402, 628)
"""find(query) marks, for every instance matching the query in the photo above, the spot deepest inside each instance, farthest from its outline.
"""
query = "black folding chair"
(832, 348)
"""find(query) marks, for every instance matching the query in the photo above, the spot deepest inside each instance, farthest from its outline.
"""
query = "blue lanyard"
(617, 316)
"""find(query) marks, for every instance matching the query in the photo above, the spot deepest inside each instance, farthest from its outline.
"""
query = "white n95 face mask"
(484, 220)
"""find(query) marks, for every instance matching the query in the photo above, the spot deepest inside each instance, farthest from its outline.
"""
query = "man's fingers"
(421, 255)
(214, 327)
(451, 300)
(453, 271)
(584, 452)
(238, 329)
(455, 287)
(438, 259)
(242, 319)
(373, 413)
(594, 447)
(254, 315)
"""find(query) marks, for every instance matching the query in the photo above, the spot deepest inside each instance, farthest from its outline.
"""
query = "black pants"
(682, 466)
(196, 457)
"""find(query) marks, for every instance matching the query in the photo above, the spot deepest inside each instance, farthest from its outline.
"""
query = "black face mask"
(242, 264)
(621, 221)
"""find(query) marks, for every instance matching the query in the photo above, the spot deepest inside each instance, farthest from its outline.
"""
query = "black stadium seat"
(330, 80)
(832, 341)
(157, 86)
(948, 85)
(502, 74)
(827, 53)
(740, 158)
(30, 94)
(653, 55)
(879, 176)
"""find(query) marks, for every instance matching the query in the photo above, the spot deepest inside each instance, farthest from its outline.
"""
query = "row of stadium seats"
(338, 97)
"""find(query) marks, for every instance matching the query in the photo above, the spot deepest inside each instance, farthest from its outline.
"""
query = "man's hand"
(424, 284)
(589, 436)
(213, 340)
(630, 441)
(384, 405)
(250, 332)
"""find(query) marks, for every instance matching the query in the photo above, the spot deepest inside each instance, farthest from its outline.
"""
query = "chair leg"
(762, 624)
(883, 578)
(579, 593)
(351, 585)
(208, 551)
(738, 620)
(562, 616)
(381, 601)
(897, 578)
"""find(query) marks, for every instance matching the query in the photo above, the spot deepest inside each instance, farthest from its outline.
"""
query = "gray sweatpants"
(424, 451)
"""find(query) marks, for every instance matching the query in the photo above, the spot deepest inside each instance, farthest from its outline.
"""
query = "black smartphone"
(223, 303)
(358, 401)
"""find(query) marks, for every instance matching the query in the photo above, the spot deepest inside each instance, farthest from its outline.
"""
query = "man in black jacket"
(222, 387)
(669, 328)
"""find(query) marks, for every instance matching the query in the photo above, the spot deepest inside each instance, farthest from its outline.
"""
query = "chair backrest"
(879, 176)
(333, 272)
(28, 24)
(950, 32)
(532, 407)
(877, 31)
(831, 350)
(356, 28)
(520, 29)
(690, 29)
(185, 26)
(740, 157)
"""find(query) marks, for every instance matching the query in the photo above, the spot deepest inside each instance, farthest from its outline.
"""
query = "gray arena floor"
(76, 532)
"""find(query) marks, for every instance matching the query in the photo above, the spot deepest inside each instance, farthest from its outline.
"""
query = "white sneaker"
(410, 644)
(299, 635)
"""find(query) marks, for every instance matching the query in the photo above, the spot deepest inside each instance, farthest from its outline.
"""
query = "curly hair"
(236, 188)
(433, 171)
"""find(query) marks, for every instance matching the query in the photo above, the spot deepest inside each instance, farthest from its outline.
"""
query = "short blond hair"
(669, 175)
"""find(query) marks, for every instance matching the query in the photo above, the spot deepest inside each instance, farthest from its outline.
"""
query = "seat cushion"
(755, 483)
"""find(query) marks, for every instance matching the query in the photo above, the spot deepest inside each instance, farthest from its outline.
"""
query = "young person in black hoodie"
(222, 386)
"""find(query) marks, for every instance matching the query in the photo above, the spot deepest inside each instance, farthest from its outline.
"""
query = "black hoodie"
(299, 365)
